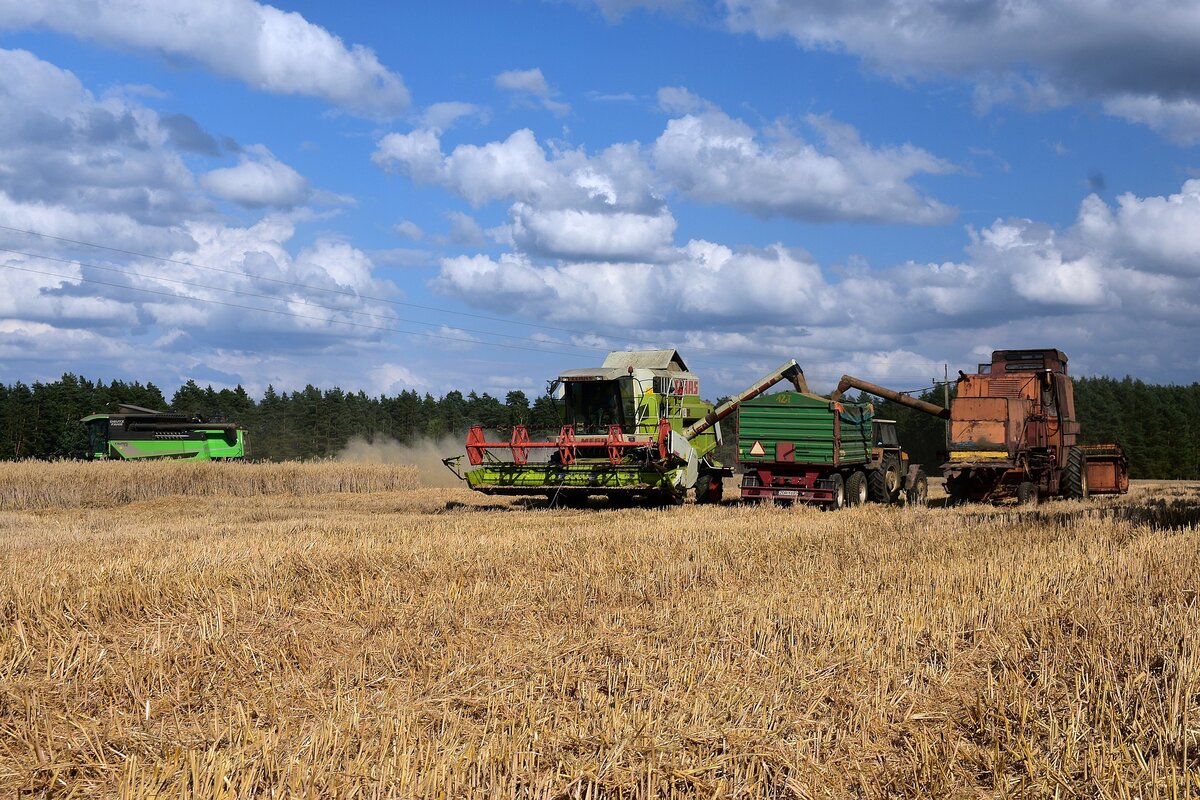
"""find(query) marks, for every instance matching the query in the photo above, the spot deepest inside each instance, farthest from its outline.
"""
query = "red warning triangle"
(757, 449)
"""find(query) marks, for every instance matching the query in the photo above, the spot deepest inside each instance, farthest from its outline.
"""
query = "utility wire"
(289, 313)
(276, 298)
(356, 295)
(348, 293)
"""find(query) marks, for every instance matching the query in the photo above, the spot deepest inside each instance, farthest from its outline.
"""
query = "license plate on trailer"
(787, 493)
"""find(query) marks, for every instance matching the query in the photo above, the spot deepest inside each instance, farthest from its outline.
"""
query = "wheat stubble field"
(340, 631)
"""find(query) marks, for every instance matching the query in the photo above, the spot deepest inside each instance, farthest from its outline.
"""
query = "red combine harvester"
(1013, 432)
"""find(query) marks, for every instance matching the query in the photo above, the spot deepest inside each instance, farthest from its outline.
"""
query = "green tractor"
(633, 429)
(136, 433)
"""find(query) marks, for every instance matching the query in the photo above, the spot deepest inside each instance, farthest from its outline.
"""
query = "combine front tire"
(856, 489)
(710, 488)
(918, 493)
(1074, 478)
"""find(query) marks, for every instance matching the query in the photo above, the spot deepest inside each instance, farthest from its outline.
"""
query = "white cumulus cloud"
(1139, 59)
(531, 85)
(1117, 289)
(718, 159)
(259, 180)
(268, 49)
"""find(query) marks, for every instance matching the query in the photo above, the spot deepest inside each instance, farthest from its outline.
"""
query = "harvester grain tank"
(1013, 432)
(136, 433)
(797, 447)
(633, 428)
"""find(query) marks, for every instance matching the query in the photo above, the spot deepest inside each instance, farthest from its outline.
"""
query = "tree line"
(1158, 425)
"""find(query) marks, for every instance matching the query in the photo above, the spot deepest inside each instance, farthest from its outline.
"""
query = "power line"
(390, 301)
(289, 313)
(245, 293)
(345, 292)
(812, 373)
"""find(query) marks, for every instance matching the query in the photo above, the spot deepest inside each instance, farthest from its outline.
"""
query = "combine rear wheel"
(918, 493)
(885, 482)
(1027, 494)
(1074, 478)
(856, 489)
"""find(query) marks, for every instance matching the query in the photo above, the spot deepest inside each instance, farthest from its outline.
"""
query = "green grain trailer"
(796, 447)
(136, 433)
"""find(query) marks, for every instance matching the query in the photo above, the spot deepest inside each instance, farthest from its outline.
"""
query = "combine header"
(634, 428)
(1013, 432)
(136, 433)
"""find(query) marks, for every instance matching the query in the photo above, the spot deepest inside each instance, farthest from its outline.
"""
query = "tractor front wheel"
(918, 493)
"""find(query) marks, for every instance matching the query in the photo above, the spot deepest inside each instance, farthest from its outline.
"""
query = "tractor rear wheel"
(1027, 494)
(856, 489)
(918, 493)
(885, 481)
(1074, 478)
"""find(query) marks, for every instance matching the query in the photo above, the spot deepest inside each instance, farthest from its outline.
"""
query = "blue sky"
(477, 195)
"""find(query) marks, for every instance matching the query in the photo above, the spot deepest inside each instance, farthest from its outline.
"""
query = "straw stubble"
(430, 642)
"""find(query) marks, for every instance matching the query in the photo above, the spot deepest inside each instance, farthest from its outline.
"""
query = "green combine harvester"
(136, 433)
(633, 429)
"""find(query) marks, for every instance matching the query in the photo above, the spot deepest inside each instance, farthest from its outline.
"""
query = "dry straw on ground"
(28, 485)
(431, 643)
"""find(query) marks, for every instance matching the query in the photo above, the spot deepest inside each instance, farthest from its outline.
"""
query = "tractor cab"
(885, 434)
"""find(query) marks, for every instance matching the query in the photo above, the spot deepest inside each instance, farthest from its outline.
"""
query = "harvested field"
(435, 643)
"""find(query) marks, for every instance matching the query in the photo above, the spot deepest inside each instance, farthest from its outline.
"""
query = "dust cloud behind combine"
(424, 454)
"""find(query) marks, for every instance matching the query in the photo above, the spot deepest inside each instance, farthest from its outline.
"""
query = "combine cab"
(634, 428)
(136, 433)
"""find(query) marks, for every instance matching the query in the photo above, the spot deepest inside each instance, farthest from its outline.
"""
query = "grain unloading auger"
(1013, 432)
(634, 428)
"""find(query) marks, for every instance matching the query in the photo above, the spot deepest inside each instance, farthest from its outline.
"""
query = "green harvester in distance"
(633, 429)
(136, 433)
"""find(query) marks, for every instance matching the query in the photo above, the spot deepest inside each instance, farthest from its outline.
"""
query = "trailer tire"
(839, 493)
(856, 489)
(1027, 494)
(918, 493)
(1074, 479)
(885, 481)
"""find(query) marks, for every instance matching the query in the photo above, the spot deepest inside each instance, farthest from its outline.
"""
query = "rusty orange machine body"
(1013, 432)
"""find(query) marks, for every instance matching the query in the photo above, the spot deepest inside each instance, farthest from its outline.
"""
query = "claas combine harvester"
(1013, 432)
(634, 428)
